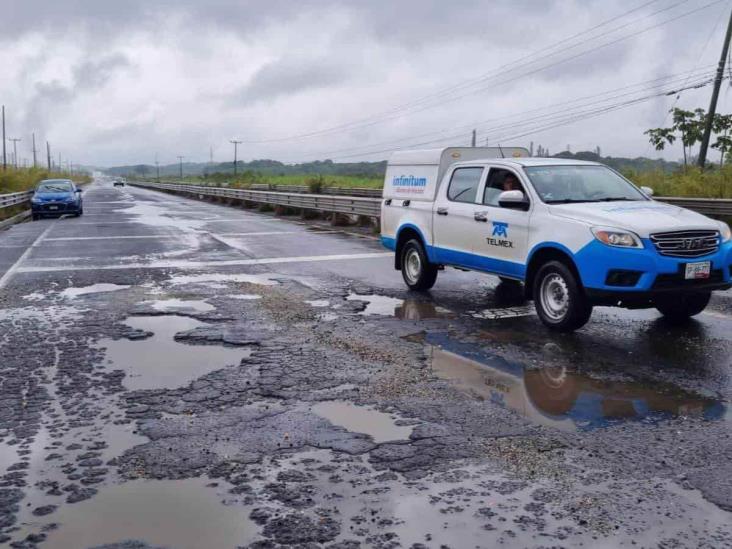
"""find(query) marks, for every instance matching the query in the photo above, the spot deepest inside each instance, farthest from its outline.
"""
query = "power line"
(391, 114)
(572, 117)
(570, 105)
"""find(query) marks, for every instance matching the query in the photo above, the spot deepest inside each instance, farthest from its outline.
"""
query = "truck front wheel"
(679, 308)
(558, 298)
(417, 271)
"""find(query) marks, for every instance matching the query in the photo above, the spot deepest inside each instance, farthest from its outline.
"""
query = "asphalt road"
(182, 374)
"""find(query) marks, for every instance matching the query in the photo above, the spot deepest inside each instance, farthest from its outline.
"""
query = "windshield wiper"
(615, 199)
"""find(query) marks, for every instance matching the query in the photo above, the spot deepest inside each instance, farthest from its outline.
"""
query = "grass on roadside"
(712, 183)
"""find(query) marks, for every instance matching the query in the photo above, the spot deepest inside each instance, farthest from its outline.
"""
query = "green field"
(713, 183)
(25, 179)
(692, 182)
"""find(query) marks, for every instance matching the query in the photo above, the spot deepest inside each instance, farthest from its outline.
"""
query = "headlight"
(725, 231)
(616, 237)
(36, 200)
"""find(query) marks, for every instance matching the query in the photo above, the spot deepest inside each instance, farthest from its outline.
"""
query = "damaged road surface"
(181, 374)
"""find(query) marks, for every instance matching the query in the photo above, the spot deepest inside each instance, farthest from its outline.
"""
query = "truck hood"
(643, 217)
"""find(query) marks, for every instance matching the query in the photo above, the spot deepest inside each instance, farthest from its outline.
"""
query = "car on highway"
(118, 183)
(576, 234)
(56, 197)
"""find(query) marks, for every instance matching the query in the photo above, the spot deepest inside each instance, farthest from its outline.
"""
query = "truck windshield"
(568, 184)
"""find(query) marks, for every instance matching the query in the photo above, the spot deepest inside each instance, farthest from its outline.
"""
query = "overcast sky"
(117, 82)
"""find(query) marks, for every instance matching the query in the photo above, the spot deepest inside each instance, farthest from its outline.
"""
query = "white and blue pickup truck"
(576, 234)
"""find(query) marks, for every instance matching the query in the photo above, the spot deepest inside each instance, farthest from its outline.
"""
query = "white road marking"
(208, 264)
(122, 237)
(165, 236)
(267, 233)
(7, 277)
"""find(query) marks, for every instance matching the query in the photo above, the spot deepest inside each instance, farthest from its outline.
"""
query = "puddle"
(560, 398)
(261, 279)
(244, 297)
(181, 304)
(8, 456)
(406, 309)
(162, 362)
(185, 514)
(94, 289)
(379, 426)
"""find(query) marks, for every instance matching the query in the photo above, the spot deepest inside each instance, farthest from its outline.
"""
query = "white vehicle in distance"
(576, 234)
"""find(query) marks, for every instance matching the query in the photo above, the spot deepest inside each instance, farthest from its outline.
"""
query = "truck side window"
(500, 180)
(464, 184)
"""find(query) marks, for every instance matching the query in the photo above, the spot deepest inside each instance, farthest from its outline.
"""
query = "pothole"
(261, 279)
(558, 397)
(379, 426)
(160, 361)
(406, 309)
(165, 305)
(186, 514)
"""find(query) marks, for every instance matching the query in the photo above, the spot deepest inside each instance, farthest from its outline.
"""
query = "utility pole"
(180, 162)
(715, 96)
(15, 150)
(236, 149)
(5, 160)
(35, 163)
(48, 155)
(472, 141)
(157, 167)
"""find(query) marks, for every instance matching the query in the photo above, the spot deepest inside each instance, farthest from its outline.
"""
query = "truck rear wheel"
(418, 273)
(680, 308)
(558, 298)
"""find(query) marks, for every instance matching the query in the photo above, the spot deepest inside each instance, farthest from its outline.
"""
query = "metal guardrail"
(717, 207)
(349, 205)
(371, 206)
(13, 199)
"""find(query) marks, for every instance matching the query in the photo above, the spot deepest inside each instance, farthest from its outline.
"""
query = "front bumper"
(55, 208)
(654, 274)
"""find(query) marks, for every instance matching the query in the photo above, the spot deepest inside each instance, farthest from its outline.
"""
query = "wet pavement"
(184, 374)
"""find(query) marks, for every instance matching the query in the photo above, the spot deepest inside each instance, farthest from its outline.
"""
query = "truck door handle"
(481, 217)
(441, 211)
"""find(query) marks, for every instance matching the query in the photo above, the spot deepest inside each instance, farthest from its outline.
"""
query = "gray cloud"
(287, 77)
(180, 76)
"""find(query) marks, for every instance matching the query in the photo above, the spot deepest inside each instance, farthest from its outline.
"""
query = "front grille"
(686, 243)
(678, 280)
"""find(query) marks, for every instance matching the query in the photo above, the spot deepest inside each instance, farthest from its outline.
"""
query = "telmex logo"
(409, 181)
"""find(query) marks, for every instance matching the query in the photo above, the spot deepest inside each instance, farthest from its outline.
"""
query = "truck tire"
(679, 308)
(559, 299)
(418, 273)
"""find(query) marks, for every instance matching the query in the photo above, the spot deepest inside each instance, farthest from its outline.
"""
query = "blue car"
(56, 197)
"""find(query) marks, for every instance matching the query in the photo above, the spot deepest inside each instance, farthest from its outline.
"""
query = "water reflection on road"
(557, 396)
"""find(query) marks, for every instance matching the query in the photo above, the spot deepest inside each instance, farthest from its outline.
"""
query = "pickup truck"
(574, 234)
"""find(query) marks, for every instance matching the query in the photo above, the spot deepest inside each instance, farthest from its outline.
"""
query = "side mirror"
(515, 200)
(647, 191)
(78, 190)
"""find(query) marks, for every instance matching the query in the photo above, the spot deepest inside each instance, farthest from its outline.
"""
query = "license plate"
(698, 270)
(53, 207)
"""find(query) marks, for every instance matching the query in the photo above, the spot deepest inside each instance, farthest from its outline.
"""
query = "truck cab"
(576, 234)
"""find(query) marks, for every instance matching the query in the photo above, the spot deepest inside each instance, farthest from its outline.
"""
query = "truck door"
(454, 227)
(504, 237)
